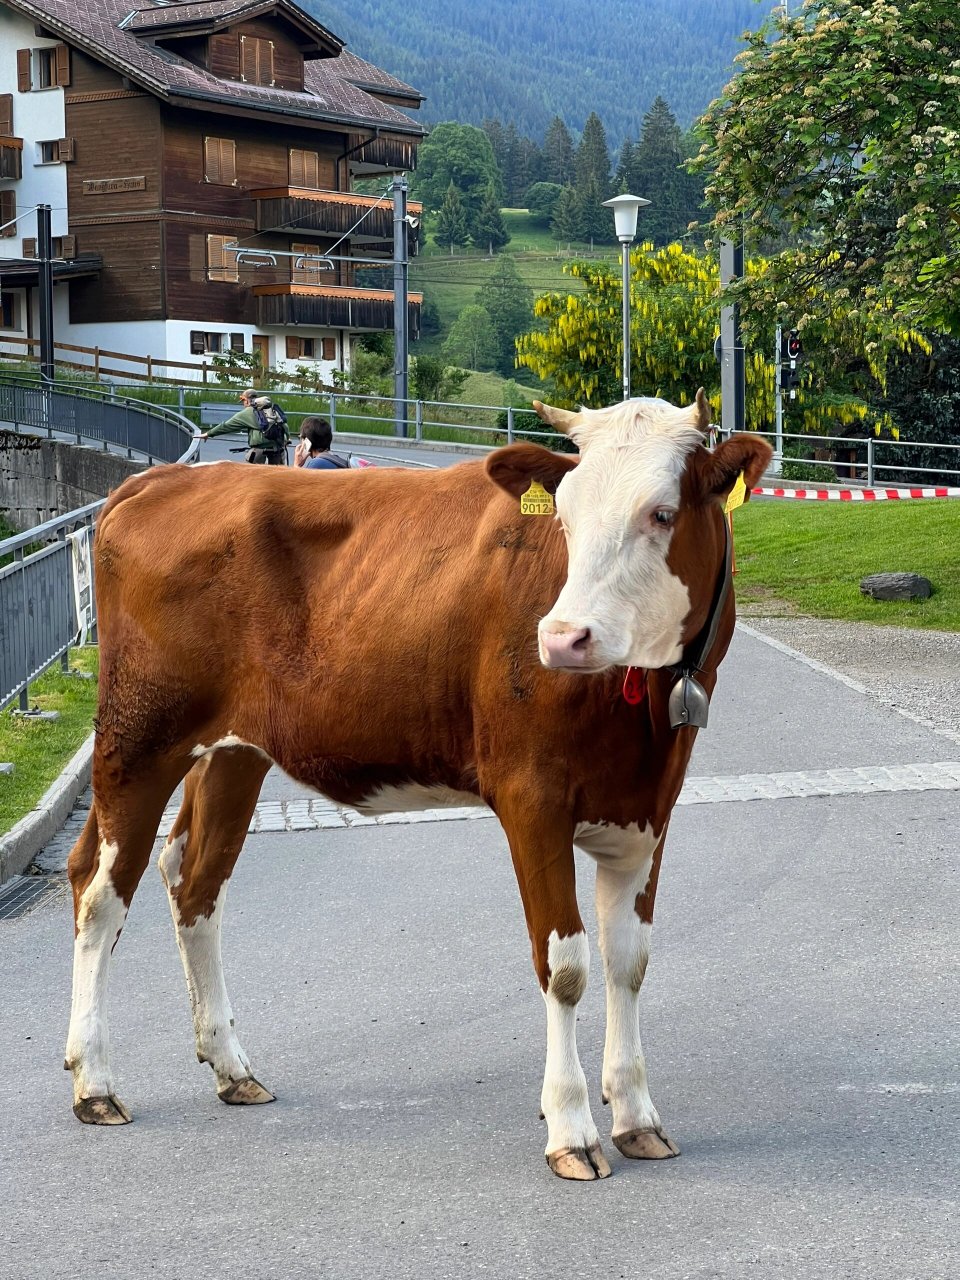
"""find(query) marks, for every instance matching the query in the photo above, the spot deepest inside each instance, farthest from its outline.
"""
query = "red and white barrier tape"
(856, 495)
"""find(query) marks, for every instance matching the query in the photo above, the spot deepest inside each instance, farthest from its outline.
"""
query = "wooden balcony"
(302, 209)
(332, 307)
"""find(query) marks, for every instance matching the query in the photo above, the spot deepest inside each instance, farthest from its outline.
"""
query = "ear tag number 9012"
(536, 501)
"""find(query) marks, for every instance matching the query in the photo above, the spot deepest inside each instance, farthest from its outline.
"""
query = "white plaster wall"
(38, 116)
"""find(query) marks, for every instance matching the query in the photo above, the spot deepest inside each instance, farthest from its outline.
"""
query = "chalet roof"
(101, 29)
(187, 17)
(365, 75)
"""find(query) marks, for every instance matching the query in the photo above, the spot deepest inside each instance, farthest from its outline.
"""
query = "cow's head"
(642, 513)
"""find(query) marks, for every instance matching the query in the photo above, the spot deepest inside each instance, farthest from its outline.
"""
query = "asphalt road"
(799, 1019)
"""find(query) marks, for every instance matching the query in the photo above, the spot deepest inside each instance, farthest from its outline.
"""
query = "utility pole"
(401, 338)
(778, 398)
(45, 265)
(732, 371)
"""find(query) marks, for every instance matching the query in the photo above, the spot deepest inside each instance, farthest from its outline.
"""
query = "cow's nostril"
(581, 640)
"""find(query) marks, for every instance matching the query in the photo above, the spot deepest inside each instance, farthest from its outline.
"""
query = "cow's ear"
(745, 452)
(514, 467)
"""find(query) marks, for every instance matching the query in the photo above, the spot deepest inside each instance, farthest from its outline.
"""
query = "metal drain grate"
(23, 893)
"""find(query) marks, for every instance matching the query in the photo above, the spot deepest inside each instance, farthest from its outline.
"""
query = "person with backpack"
(266, 427)
(313, 448)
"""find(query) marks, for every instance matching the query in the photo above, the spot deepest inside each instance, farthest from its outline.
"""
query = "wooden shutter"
(221, 262)
(311, 169)
(63, 64)
(6, 114)
(297, 170)
(307, 273)
(197, 342)
(30, 246)
(68, 246)
(220, 161)
(66, 149)
(248, 59)
(24, 77)
(293, 348)
(8, 211)
(329, 349)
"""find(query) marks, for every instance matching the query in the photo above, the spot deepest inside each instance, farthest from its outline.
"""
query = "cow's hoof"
(105, 1110)
(645, 1144)
(245, 1093)
(579, 1164)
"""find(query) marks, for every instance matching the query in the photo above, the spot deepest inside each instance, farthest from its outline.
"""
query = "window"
(9, 311)
(43, 68)
(8, 212)
(256, 60)
(11, 165)
(220, 161)
(48, 153)
(300, 348)
(202, 344)
(6, 115)
(62, 246)
(236, 342)
(304, 168)
(221, 262)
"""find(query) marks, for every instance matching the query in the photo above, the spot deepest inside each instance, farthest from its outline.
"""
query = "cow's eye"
(664, 517)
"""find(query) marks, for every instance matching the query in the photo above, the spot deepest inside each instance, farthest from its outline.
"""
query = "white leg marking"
(625, 947)
(564, 1098)
(199, 946)
(231, 740)
(99, 921)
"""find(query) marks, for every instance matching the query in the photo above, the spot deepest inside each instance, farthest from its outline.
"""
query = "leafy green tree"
(452, 227)
(487, 230)
(432, 379)
(541, 200)
(558, 158)
(843, 134)
(472, 340)
(509, 303)
(457, 154)
(592, 161)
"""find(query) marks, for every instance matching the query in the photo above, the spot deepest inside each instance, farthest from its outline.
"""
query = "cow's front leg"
(625, 915)
(543, 858)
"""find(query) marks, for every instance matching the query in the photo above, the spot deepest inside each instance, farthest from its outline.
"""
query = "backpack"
(273, 424)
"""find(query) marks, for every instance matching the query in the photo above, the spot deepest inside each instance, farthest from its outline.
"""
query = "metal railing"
(38, 612)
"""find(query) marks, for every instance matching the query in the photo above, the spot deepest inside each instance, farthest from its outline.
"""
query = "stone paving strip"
(317, 813)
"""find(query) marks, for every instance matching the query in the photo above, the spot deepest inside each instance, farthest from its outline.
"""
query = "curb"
(23, 842)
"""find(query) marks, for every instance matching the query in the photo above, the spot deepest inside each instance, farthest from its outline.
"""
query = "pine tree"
(558, 161)
(592, 160)
(452, 227)
(509, 303)
(488, 231)
(657, 174)
(565, 225)
(625, 168)
(511, 163)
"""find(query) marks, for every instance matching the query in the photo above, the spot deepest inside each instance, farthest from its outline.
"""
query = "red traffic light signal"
(792, 346)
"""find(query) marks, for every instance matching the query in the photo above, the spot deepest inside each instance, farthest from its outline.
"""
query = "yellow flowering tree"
(675, 308)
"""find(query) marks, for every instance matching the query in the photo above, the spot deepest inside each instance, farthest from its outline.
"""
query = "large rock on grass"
(896, 586)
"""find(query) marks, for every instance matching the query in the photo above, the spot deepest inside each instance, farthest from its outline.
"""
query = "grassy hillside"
(451, 281)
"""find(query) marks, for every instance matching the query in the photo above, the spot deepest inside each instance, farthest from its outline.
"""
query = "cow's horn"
(703, 410)
(562, 419)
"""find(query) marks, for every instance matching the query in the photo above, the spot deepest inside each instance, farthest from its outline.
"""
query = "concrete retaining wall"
(40, 479)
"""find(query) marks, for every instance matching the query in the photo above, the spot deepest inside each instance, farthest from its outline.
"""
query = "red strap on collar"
(635, 686)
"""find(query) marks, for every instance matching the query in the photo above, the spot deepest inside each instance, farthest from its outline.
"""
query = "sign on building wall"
(103, 186)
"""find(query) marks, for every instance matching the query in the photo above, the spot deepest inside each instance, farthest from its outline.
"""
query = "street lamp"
(625, 210)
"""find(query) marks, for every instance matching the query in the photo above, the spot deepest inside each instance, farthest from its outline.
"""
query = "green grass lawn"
(813, 555)
(39, 749)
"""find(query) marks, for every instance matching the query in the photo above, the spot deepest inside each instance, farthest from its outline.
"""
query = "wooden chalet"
(188, 129)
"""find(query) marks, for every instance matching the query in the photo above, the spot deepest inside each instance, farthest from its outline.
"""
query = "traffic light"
(791, 354)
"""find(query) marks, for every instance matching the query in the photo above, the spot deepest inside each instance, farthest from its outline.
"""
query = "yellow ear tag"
(737, 495)
(536, 501)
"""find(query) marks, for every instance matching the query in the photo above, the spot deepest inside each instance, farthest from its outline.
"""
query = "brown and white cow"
(426, 597)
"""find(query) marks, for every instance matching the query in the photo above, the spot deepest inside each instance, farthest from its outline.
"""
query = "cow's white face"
(622, 605)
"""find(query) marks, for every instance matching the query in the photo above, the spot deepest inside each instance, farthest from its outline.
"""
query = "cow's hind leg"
(625, 913)
(196, 863)
(542, 850)
(105, 866)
